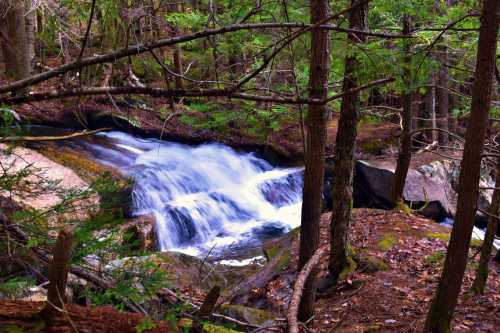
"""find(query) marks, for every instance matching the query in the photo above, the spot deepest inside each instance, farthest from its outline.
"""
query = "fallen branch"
(53, 138)
(298, 288)
(161, 92)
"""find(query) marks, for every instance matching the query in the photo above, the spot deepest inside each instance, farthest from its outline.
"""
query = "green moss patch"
(436, 258)
(443, 236)
(387, 242)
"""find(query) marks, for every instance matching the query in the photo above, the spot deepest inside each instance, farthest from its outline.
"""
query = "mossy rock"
(369, 263)
(246, 314)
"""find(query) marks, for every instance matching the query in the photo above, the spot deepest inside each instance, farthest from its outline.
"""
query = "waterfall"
(206, 196)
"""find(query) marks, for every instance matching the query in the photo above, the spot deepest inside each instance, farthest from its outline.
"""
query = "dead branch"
(58, 272)
(161, 92)
(293, 309)
(53, 138)
(206, 309)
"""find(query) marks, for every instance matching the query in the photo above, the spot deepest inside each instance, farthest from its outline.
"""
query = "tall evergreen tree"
(344, 149)
(315, 153)
(442, 308)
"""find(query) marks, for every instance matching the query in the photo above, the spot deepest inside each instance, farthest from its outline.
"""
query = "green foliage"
(436, 258)
(145, 324)
(14, 287)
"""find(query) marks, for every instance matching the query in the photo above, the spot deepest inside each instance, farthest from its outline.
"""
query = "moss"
(401, 206)
(387, 242)
(436, 258)
(211, 328)
(374, 147)
(84, 167)
(349, 269)
(250, 315)
(476, 243)
(445, 237)
(186, 323)
(370, 263)
(371, 329)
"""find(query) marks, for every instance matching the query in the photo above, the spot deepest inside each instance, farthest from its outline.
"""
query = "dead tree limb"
(206, 309)
(52, 138)
(293, 309)
(161, 92)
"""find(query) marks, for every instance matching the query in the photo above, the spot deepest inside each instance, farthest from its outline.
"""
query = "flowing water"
(205, 197)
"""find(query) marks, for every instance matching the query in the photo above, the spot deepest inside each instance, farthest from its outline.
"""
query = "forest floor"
(400, 258)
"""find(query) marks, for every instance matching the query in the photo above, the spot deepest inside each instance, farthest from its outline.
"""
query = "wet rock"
(140, 233)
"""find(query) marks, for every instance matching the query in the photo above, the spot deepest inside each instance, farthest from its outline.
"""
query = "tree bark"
(442, 308)
(315, 155)
(16, 50)
(30, 20)
(344, 153)
(442, 98)
(404, 156)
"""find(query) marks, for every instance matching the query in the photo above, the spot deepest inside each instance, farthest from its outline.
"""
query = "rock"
(140, 233)
(41, 182)
(183, 271)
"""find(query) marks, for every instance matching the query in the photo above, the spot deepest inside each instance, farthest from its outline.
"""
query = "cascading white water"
(205, 196)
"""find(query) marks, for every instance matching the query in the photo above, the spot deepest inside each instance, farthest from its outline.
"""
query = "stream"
(207, 197)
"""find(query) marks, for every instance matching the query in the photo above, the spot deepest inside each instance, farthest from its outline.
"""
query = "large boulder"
(372, 189)
(36, 182)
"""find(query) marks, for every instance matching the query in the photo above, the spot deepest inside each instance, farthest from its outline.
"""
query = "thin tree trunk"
(177, 54)
(442, 308)
(16, 50)
(431, 107)
(487, 248)
(404, 156)
(315, 154)
(442, 98)
(65, 44)
(344, 153)
(30, 19)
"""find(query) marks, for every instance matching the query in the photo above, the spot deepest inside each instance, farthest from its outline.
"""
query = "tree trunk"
(344, 152)
(486, 250)
(443, 306)
(429, 113)
(176, 53)
(442, 98)
(315, 154)
(404, 156)
(16, 50)
(65, 44)
(30, 19)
